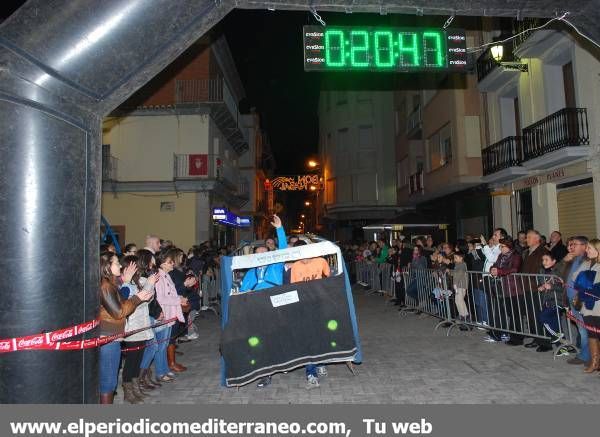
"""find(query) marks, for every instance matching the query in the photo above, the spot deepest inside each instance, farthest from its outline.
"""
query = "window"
(342, 152)
(439, 148)
(402, 173)
(365, 137)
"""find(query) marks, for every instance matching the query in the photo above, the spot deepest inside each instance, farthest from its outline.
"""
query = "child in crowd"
(461, 284)
(552, 289)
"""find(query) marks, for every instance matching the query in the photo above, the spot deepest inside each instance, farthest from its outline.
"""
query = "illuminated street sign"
(384, 49)
(226, 217)
(296, 183)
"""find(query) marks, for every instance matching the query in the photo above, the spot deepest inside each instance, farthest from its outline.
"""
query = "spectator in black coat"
(556, 246)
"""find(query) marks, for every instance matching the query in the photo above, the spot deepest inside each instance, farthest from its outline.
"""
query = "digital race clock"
(384, 49)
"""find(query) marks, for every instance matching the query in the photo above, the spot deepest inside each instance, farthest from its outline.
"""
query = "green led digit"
(408, 49)
(335, 55)
(384, 49)
(359, 53)
(432, 49)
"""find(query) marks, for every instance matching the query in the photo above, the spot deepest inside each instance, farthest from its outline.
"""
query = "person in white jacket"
(492, 251)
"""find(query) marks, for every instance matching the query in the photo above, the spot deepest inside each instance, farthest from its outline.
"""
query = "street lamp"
(312, 163)
(307, 203)
(302, 216)
(497, 52)
(313, 188)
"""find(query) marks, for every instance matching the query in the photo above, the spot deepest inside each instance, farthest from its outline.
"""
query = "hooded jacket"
(271, 275)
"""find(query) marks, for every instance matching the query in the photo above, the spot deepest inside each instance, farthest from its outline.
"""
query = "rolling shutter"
(576, 211)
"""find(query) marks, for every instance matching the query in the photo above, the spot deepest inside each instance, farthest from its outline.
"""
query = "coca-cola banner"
(54, 340)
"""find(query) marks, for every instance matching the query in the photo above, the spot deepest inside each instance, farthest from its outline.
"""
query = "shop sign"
(225, 217)
(552, 176)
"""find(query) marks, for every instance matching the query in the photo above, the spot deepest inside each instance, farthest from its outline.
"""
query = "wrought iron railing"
(199, 91)
(565, 128)
(415, 183)
(520, 28)
(506, 153)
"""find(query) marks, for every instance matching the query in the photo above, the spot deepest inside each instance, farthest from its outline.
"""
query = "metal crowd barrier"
(376, 277)
(520, 305)
(427, 291)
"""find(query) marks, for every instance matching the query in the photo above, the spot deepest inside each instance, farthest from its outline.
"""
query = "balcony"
(557, 139)
(205, 166)
(414, 124)
(415, 184)
(224, 109)
(493, 75)
(502, 160)
(535, 44)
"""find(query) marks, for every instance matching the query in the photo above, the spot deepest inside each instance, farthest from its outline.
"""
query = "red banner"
(198, 165)
(53, 340)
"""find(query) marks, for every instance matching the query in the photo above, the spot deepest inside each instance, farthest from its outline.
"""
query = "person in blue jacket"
(271, 275)
(259, 278)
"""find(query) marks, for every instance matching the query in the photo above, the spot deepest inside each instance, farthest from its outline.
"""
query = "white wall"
(144, 145)
(361, 155)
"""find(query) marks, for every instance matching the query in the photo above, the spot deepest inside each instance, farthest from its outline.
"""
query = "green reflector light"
(333, 344)
(332, 325)
(253, 341)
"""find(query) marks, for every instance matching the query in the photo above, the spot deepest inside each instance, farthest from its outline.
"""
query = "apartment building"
(356, 143)
(172, 154)
(438, 142)
(541, 103)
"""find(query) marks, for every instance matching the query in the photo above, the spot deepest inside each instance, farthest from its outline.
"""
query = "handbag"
(154, 309)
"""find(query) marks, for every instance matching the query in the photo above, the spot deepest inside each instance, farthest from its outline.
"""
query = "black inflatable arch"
(64, 65)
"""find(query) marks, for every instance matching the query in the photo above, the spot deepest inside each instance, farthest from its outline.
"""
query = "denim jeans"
(311, 369)
(481, 306)
(160, 359)
(110, 357)
(149, 353)
(584, 352)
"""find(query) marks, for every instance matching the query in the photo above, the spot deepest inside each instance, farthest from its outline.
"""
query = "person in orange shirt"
(308, 270)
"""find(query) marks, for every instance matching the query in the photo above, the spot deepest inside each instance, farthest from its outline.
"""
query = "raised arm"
(281, 238)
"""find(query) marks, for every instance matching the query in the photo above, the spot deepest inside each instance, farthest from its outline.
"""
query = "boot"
(150, 377)
(594, 365)
(173, 365)
(129, 395)
(145, 382)
(137, 390)
(106, 398)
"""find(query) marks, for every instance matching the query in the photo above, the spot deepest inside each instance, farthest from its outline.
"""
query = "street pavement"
(405, 362)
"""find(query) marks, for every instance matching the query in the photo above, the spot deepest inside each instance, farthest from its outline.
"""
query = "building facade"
(438, 136)
(356, 141)
(172, 153)
(542, 108)
(256, 167)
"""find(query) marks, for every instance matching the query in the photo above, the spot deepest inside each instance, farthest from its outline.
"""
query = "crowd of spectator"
(512, 288)
(159, 286)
